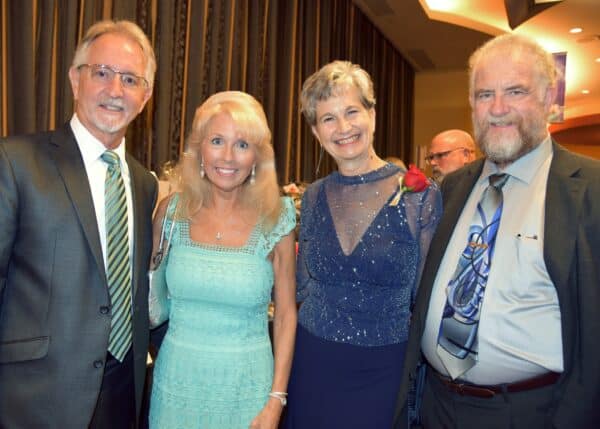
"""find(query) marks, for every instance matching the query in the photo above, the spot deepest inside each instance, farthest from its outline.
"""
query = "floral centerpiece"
(295, 191)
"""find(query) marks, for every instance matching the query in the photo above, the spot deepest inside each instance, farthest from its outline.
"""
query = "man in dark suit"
(73, 292)
(521, 351)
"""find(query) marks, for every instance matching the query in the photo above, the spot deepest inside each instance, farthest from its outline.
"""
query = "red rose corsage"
(414, 180)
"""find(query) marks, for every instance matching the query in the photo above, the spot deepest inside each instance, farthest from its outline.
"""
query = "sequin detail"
(360, 292)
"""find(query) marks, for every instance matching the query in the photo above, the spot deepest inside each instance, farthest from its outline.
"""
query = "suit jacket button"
(98, 364)
(104, 309)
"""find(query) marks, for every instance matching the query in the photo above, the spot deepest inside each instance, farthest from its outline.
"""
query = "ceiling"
(441, 38)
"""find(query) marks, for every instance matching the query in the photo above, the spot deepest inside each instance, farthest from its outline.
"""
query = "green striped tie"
(117, 257)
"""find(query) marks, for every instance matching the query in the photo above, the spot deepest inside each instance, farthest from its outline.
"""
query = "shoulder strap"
(162, 251)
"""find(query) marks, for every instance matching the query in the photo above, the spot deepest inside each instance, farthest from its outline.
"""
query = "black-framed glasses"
(104, 74)
(441, 155)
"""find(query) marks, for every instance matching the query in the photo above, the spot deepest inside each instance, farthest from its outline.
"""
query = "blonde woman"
(233, 243)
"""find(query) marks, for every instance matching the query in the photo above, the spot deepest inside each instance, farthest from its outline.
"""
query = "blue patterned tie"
(457, 340)
(117, 257)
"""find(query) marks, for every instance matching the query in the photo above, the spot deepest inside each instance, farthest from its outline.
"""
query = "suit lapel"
(72, 170)
(564, 195)
(137, 199)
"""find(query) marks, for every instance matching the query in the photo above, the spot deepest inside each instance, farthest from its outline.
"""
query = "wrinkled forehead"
(508, 67)
(112, 48)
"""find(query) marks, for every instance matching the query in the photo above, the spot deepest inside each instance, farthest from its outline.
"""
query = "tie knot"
(498, 180)
(111, 158)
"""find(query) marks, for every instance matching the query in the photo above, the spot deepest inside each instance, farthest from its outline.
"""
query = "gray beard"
(506, 150)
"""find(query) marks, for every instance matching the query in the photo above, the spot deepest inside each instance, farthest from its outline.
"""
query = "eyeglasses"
(104, 74)
(441, 155)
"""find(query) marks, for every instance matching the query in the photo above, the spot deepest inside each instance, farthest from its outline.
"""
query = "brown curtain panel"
(264, 47)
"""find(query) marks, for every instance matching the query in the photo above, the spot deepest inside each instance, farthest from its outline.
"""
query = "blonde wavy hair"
(262, 196)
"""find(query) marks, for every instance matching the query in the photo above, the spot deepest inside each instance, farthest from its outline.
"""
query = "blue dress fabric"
(214, 369)
(355, 312)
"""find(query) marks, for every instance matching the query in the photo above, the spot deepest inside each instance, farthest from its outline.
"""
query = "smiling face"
(345, 128)
(227, 157)
(510, 106)
(107, 108)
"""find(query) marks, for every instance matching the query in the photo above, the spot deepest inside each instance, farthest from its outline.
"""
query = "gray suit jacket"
(54, 318)
(572, 256)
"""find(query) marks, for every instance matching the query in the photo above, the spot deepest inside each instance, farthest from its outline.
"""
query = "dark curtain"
(264, 47)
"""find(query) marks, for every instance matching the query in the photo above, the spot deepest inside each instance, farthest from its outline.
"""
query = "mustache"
(116, 102)
(502, 121)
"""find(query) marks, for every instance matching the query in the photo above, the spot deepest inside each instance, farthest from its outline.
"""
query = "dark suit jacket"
(572, 256)
(54, 318)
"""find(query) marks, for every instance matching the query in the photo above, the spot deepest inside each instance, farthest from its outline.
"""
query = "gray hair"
(514, 46)
(331, 80)
(126, 28)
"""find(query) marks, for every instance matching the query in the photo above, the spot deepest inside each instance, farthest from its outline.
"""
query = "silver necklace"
(219, 236)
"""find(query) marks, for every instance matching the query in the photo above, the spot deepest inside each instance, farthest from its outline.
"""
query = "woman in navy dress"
(364, 234)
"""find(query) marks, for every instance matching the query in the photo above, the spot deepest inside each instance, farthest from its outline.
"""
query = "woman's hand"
(269, 416)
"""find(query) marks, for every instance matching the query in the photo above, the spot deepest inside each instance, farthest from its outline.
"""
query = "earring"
(253, 175)
(202, 168)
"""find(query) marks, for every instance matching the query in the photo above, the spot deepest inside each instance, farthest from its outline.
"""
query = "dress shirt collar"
(90, 147)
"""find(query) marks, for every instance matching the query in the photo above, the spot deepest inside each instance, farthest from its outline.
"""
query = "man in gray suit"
(507, 315)
(73, 298)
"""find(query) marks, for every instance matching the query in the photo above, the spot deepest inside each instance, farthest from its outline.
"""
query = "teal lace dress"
(215, 365)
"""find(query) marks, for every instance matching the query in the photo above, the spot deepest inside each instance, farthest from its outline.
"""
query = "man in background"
(75, 244)
(449, 151)
(507, 310)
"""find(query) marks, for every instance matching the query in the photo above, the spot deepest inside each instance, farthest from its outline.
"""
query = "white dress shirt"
(91, 149)
(519, 330)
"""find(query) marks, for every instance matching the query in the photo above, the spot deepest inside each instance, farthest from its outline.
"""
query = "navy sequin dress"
(359, 262)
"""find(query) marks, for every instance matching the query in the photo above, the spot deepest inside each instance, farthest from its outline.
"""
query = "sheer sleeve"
(424, 211)
(303, 277)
